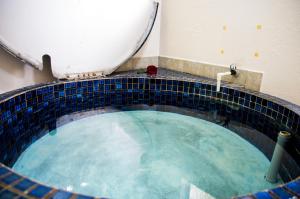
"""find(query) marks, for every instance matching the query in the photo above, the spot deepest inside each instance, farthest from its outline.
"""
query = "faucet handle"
(233, 69)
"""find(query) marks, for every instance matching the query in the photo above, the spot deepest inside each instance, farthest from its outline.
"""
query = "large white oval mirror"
(80, 36)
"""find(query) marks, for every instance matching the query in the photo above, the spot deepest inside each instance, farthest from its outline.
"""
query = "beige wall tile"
(249, 79)
(138, 63)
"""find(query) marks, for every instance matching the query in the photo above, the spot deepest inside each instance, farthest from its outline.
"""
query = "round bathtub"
(31, 113)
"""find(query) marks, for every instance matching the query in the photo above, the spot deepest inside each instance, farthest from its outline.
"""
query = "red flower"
(151, 70)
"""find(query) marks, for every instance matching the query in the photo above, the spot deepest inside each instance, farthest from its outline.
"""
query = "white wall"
(225, 32)
(15, 74)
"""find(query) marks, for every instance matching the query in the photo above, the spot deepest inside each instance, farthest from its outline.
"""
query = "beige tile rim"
(251, 80)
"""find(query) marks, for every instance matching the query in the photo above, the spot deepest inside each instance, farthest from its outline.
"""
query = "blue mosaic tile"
(7, 194)
(62, 195)
(294, 187)
(40, 191)
(263, 195)
(24, 185)
(281, 193)
(10, 178)
(3, 171)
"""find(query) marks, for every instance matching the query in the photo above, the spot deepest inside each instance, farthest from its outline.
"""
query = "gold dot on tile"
(256, 54)
(258, 27)
(224, 28)
(222, 51)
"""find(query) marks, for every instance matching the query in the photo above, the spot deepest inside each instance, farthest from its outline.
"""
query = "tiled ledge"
(176, 75)
(15, 186)
(249, 79)
(290, 190)
(173, 75)
(138, 63)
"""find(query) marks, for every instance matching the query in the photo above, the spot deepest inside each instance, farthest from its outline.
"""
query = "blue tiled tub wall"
(26, 115)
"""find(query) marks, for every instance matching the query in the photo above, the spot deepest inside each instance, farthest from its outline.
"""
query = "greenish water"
(145, 155)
